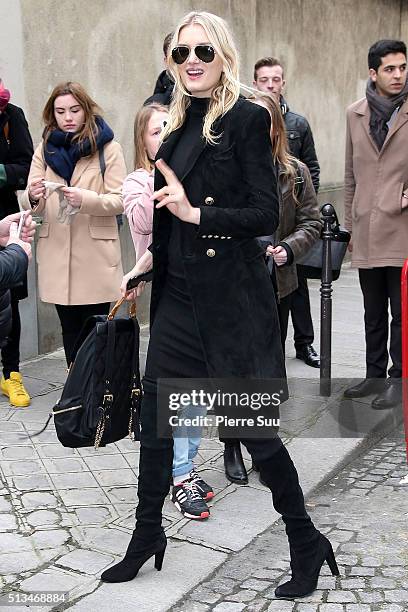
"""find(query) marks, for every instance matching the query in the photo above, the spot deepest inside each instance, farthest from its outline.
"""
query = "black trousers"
(72, 319)
(10, 353)
(381, 287)
(301, 315)
(284, 307)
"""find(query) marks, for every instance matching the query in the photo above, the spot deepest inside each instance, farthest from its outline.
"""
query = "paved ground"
(363, 510)
(66, 514)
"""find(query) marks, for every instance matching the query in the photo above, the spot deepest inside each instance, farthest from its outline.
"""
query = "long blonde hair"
(224, 96)
(141, 158)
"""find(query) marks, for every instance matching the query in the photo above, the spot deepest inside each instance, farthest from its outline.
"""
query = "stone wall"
(115, 50)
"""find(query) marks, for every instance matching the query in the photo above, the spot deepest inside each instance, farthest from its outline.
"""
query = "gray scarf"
(381, 110)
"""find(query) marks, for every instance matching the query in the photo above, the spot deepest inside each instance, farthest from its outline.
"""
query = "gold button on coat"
(209, 200)
(211, 253)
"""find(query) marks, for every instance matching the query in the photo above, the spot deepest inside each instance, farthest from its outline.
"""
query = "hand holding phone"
(134, 282)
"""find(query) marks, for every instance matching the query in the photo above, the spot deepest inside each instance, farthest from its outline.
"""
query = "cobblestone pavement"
(66, 514)
(363, 511)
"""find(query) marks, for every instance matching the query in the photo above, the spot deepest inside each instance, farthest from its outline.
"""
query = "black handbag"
(312, 262)
(101, 397)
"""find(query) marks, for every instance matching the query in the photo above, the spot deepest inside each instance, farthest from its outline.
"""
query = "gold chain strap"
(99, 431)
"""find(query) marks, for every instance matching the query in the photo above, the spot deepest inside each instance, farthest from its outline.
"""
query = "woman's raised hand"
(173, 196)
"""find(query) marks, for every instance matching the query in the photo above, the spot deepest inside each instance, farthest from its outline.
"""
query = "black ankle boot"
(138, 552)
(308, 547)
(234, 464)
(306, 569)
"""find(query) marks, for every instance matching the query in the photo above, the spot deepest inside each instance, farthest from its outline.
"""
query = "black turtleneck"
(191, 134)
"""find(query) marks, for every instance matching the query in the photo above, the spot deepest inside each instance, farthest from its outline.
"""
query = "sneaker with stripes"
(187, 498)
(205, 490)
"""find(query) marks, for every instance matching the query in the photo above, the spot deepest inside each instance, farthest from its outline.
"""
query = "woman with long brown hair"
(75, 183)
(299, 219)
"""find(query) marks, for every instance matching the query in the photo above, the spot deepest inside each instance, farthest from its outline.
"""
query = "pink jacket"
(137, 189)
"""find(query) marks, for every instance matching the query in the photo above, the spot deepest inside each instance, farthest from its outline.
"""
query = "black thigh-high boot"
(309, 549)
(155, 471)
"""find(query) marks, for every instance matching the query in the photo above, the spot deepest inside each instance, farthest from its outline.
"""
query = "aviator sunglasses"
(181, 53)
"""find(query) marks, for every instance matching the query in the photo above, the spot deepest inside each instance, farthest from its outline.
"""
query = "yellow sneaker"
(14, 389)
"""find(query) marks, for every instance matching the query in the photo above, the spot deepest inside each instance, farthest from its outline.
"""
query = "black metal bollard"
(326, 302)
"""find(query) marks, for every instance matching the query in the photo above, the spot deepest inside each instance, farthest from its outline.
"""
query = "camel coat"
(80, 263)
(374, 184)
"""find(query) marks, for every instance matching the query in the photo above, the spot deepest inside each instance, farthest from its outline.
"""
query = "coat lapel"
(80, 168)
(198, 149)
(364, 113)
(166, 151)
(401, 119)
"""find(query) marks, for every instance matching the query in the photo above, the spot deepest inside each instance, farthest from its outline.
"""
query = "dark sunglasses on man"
(181, 53)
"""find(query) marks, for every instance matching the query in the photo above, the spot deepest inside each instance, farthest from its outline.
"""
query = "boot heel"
(158, 559)
(331, 562)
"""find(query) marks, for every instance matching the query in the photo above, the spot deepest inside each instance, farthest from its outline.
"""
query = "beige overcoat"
(80, 263)
(374, 184)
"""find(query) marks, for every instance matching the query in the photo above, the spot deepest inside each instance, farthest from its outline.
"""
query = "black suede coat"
(234, 183)
(15, 153)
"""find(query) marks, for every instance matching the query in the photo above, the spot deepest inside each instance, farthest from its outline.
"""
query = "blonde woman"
(213, 310)
(75, 183)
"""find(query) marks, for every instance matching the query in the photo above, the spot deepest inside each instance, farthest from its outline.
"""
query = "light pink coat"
(137, 189)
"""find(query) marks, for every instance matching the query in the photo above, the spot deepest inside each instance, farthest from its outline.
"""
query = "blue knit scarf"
(61, 154)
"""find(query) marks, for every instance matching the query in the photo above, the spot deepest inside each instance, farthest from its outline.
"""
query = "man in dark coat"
(16, 151)
(269, 78)
(164, 84)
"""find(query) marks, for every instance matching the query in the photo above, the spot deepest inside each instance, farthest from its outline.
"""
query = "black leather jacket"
(162, 91)
(16, 153)
(301, 143)
(13, 269)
